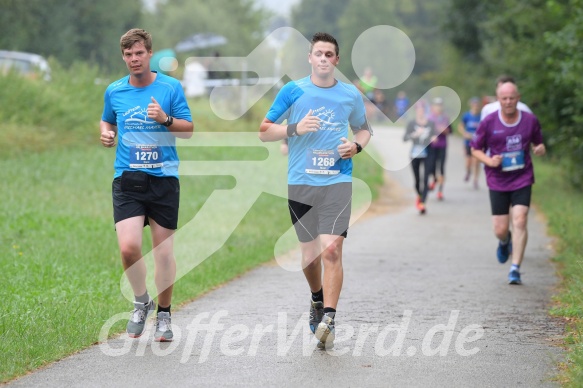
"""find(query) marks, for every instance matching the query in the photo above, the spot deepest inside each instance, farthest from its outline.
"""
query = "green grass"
(60, 262)
(563, 207)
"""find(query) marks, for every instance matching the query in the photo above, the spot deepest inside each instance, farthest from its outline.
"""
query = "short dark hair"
(134, 36)
(324, 37)
(502, 79)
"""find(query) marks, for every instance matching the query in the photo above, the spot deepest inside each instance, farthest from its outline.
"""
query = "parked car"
(27, 64)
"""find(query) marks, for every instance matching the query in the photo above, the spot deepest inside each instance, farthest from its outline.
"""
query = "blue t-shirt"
(313, 157)
(143, 144)
(401, 105)
(471, 123)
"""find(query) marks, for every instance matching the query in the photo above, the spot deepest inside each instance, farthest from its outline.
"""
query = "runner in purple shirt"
(438, 148)
(502, 142)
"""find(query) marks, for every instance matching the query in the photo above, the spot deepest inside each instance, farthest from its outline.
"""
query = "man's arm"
(348, 148)
(493, 161)
(108, 133)
(462, 130)
(539, 149)
(180, 128)
(270, 131)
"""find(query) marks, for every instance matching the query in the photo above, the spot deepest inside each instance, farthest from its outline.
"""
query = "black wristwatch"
(358, 148)
(169, 121)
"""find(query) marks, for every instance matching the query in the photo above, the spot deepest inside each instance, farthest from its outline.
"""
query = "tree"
(69, 30)
(539, 43)
(462, 27)
(311, 16)
(240, 21)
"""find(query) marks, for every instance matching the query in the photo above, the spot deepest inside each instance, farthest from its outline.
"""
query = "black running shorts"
(500, 201)
(159, 202)
(317, 210)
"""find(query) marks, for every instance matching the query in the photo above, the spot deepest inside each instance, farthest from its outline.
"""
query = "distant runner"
(438, 149)
(467, 128)
(421, 132)
(508, 135)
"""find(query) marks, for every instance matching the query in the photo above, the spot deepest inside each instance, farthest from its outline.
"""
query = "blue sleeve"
(480, 139)
(180, 108)
(465, 119)
(108, 114)
(357, 117)
(279, 110)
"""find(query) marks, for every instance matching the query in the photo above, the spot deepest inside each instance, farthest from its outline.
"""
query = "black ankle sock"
(165, 309)
(508, 237)
(329, 311)
(318, 296)
(142, 298)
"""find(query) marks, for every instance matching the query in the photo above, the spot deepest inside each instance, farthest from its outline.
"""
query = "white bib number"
(145, 156)
(512, 160)
(322, 162)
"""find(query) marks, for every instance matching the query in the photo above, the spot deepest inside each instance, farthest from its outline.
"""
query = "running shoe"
(504, 250)
(421, 208)
(514, 277)
(316, 314)
(440, 195)
(137, 321)
(418, 201)
(163, 327)
(325, 332)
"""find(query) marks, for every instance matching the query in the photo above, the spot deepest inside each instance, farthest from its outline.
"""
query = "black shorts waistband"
(151, 177)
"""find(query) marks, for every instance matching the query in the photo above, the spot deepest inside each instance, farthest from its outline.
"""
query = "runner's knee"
(130, 252)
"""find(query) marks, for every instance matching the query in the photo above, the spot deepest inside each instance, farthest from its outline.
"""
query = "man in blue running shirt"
(467, 128)
(146, 111)
(319, 111)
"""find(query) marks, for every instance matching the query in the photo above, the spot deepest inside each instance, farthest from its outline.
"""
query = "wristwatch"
(169, 121)
(358, 147)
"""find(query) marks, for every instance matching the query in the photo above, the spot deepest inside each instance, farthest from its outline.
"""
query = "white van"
(27, 64)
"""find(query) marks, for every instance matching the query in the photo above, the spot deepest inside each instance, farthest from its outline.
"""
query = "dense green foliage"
(540, 43)
(70, 30)
(241, 22)
(89, 31)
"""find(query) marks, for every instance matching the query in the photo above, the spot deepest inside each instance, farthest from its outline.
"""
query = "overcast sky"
(282, 7)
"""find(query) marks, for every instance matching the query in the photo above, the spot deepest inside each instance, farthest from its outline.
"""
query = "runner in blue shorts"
(146, 111)
(319, 110)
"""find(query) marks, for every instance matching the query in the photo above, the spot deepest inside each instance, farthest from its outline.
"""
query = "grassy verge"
(58, 249)
(562, 206)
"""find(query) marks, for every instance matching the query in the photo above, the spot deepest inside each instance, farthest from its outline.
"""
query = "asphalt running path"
(424, 303)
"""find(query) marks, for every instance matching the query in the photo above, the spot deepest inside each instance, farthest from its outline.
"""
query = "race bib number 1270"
(145, 156)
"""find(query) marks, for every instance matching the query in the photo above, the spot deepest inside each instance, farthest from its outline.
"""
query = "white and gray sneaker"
(163, 327)
(137, 321)
(325, 332)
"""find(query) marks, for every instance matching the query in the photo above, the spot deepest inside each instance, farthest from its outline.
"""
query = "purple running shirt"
(442, 127)
(513, 143)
